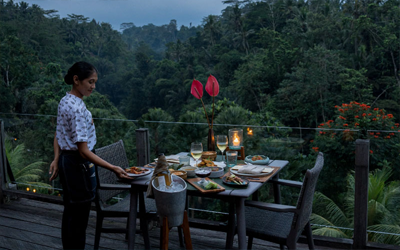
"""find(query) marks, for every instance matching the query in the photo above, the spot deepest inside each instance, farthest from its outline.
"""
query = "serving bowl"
(189, 170)
(264, 161)
(180, 173)
(212, 155)
(216, 172)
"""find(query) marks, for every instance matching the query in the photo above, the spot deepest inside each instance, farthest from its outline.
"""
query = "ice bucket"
(171, 204)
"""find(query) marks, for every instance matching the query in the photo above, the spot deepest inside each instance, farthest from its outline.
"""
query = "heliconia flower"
(212, 86)
(197, 89)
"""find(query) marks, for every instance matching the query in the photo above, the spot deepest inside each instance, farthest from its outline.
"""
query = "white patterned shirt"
(74, 124)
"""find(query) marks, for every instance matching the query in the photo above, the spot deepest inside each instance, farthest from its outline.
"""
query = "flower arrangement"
(212, 88)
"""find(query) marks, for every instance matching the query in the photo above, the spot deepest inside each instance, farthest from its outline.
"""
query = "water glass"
(185, 160)
(231, 158)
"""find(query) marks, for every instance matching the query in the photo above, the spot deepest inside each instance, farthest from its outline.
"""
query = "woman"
(74, 140)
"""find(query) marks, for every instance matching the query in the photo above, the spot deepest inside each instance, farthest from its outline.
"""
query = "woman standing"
(74, 140)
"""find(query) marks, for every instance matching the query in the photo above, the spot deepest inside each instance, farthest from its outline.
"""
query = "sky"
(139, 12)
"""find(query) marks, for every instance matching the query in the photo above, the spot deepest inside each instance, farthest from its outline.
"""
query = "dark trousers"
(74, 223)
(77, 200)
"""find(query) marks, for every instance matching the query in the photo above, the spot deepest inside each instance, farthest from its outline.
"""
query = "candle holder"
(236, 142)
(235, 138)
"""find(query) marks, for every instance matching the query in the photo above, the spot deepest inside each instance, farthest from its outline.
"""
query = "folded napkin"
(171, 159)
(251, 169)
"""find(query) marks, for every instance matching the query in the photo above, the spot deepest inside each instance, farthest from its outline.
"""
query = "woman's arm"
(89, 155)
(54, 165)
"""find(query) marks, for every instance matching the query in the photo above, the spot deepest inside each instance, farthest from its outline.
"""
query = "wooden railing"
(359, 240)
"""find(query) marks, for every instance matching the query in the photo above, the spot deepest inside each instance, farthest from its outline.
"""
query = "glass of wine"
(222, 143)
(203, 172)
(196, 149)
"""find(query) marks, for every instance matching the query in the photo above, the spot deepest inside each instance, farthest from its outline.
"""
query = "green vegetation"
(279, 63)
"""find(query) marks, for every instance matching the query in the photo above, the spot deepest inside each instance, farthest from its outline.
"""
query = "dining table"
(235, 196)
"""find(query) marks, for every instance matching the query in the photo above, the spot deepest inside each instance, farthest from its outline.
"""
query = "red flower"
(374, 119)
(376, 136)
(345, 124)
(371, 133)
(357, 116)
(390, 116)
(212, 86)
(341, 117)
(357, 124)
(376, 109)
(371, 152)
(364, 114)
(197, 89)
(369, 114)
(341, 110)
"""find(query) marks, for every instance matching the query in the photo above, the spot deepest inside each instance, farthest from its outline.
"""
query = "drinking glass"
(222, 143)
(203, 173)
(231, 158)
(196, 149)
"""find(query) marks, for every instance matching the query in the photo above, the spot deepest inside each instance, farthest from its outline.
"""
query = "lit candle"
(236, 140)
(27, 189)
(249, 132)
(34, 190)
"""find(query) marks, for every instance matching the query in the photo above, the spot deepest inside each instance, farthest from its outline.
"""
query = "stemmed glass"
(203, 173)
(222, 143)
(196, 149)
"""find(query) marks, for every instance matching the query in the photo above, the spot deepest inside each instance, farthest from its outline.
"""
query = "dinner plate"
(142, 174)
(230, 183)
(236, 172)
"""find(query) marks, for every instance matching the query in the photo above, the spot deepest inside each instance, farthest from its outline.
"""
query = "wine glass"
(196, 149)
(222, 143)
(203, 173)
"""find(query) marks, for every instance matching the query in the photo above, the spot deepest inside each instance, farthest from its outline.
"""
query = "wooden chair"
(280, 223)
(108, 187)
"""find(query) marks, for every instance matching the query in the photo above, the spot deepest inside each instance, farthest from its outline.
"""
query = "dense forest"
(294, 63)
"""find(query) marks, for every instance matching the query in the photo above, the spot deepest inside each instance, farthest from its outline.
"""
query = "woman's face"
(86, 86)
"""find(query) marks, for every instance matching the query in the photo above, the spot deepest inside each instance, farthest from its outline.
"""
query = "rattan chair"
(108, 187)
(280, 223)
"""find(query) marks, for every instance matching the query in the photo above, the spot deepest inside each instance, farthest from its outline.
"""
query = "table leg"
(277, 190)
(241, 223)
(231, 227)
(132, 219)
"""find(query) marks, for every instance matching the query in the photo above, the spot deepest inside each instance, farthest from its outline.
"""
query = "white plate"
(242, 174)
(142, 174)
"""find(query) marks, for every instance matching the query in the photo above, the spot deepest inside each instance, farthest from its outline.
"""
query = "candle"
(236, 140)
(249, 132)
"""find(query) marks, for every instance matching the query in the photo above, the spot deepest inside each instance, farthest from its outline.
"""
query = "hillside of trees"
(292, 63)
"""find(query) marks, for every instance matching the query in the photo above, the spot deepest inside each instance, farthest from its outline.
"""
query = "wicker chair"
(280, 223)
(108, 187)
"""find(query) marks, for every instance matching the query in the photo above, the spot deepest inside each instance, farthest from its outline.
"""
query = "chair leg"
(164, 234)
(250, 242)
(99, 225)
(310, 239)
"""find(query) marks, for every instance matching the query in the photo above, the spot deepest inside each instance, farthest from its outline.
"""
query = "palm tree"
(27, 175)
(383, 210)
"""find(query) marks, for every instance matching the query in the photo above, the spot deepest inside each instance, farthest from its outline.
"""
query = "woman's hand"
(53, 170)
(122, 174)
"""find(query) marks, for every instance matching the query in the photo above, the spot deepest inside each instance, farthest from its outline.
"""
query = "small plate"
(149, 171)
(229, 183)
(265, 160)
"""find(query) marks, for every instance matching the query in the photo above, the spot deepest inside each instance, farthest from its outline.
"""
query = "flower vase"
(211, 140)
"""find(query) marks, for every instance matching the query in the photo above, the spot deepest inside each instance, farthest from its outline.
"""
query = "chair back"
(305, 200)
(116, 155)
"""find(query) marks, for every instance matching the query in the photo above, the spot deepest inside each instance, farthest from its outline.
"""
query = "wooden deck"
(30, 224)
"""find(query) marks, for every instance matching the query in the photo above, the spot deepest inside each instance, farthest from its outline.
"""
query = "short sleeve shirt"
(74, 124)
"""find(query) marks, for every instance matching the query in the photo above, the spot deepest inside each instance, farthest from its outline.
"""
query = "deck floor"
(30, 224)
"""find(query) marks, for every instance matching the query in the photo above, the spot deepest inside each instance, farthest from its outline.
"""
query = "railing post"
(2, 162)
(361, 194)
(142, 146)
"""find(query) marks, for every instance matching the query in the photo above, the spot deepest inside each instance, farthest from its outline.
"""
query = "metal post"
(142, 146)
(2, 162)
(361, 194)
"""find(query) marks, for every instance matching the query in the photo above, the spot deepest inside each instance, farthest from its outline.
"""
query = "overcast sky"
(139, 12)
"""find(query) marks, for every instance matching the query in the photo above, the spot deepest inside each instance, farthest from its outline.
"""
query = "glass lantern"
(235, 138)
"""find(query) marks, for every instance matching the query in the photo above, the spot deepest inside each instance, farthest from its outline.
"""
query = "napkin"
(251, 169)
(170, 159)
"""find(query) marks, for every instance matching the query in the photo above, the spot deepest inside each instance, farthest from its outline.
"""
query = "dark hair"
(82, 69)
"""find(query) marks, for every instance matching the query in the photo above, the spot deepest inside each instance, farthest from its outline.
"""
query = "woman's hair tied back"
(81, 69)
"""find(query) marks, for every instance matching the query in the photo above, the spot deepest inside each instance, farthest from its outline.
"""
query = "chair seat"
(123, 205)
(263, 222)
